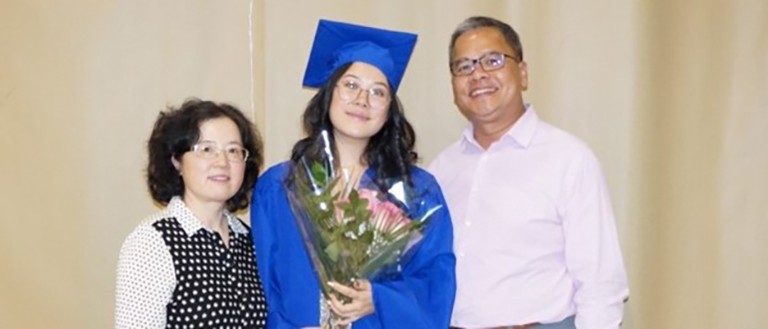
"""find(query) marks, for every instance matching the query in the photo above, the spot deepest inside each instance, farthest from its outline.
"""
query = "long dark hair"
(390, 150)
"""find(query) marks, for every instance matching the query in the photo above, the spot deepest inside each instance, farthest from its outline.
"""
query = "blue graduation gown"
(422, 297)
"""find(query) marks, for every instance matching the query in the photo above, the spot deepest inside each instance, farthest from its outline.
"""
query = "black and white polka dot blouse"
(174, 273)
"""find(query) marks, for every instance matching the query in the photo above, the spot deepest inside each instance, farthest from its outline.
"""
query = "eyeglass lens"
(489, 62)
(210, 150)
(350, 89)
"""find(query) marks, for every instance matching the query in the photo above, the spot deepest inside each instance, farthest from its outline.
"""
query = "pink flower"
(371, 195)
(385, 217)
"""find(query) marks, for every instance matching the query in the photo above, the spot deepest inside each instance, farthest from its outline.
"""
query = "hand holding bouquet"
(353, 232)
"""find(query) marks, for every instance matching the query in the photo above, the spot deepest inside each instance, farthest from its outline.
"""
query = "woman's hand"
(361, 303)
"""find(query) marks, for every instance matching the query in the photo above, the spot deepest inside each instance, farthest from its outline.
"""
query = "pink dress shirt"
(535, 238)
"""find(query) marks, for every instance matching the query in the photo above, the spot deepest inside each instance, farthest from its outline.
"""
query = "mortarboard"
(338, 43)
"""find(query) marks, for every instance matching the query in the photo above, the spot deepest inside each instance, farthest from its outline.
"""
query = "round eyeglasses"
(490, 62)
(211, 150)
(350, 89)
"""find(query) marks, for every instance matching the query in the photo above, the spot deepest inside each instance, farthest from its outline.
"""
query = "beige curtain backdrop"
(671, 94)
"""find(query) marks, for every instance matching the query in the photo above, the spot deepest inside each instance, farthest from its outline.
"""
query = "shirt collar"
(521, 132)
(190, 224)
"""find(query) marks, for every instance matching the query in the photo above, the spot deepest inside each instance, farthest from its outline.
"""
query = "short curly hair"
(174, 133)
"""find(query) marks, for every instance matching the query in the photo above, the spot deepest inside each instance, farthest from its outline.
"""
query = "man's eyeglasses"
(350, 89)
(490, 62)
(211, 150)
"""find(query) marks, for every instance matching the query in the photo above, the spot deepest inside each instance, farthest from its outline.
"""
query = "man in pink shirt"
(535, 237)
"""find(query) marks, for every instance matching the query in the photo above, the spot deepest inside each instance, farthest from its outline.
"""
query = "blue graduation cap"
(338, 43)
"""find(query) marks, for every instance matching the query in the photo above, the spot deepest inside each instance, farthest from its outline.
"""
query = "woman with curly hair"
(192, 264)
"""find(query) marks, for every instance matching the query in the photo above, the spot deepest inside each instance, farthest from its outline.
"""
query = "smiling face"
(217, 179)
(491, 100)
(360, 103)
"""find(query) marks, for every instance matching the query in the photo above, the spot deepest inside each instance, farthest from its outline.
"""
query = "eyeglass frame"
(341, 87)
(479, 60)
(218, 149)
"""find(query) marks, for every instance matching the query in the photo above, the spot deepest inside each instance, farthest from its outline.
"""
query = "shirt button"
(467, 223)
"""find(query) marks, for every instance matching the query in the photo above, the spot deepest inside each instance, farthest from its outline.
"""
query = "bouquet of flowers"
(350, 231)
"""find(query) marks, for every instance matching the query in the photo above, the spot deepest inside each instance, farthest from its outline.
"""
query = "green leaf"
(332, 250)
(367, 237)
(319, 174)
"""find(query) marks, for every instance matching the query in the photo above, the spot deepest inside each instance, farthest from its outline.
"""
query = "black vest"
(216, 287)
